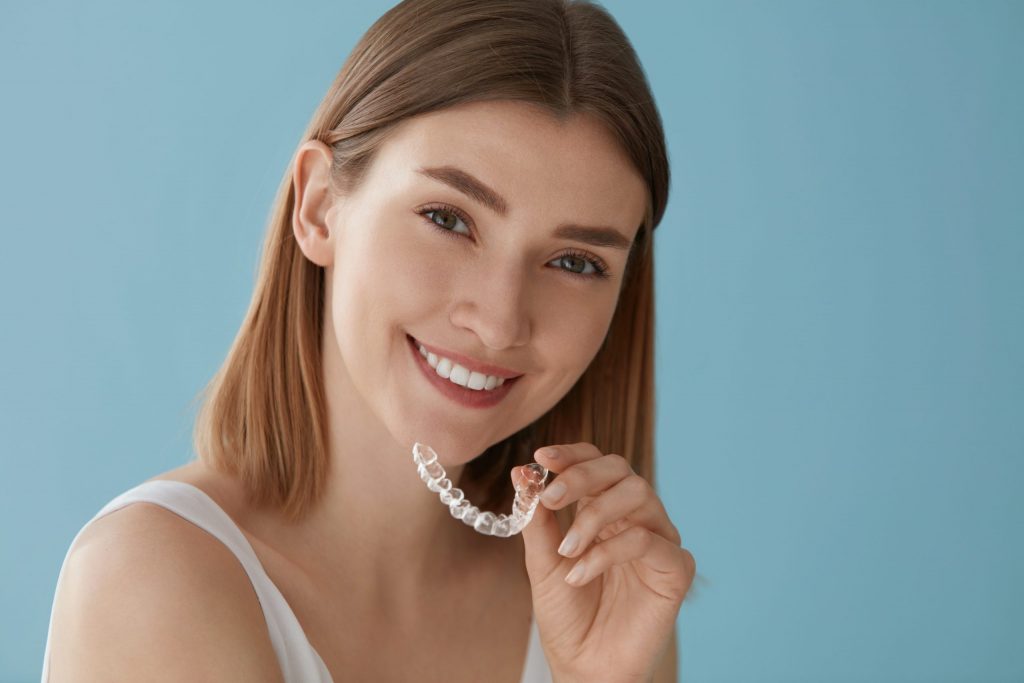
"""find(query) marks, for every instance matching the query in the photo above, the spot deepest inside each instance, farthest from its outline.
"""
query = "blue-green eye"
(582, 260)
(445, 219)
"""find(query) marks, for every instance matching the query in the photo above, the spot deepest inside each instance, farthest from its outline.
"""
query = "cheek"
(572, 330)
(385, 279)
(424, 277)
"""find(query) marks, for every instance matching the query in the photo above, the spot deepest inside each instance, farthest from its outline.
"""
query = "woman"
(460, 254)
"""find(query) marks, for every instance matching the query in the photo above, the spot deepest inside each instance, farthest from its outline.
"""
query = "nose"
(494, 304)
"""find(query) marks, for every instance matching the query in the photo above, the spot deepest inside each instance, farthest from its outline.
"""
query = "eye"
(578, 261)
(446, 218)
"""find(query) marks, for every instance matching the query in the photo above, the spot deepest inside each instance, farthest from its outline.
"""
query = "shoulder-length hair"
(264, 416)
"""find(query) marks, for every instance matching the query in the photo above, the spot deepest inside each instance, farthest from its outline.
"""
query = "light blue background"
(840, 281)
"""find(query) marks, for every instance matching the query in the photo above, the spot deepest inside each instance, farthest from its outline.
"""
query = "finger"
(631, 502)
(588, 478)
(664, 567)
(560, 456)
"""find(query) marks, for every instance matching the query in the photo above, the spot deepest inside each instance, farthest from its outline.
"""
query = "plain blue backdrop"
(840, 300)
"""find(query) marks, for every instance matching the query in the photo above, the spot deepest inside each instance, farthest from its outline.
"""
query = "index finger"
(558, 457)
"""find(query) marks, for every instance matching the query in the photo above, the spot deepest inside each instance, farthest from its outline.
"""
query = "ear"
(313, 202)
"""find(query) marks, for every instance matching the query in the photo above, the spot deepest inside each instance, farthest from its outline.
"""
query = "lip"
(470, 398)
(468, 363)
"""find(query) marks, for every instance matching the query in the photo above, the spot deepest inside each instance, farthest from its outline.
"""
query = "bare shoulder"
(147, 595)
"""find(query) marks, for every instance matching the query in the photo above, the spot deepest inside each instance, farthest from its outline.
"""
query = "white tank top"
(300, 663)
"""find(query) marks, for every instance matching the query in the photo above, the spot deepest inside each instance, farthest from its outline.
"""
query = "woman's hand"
(613, 624)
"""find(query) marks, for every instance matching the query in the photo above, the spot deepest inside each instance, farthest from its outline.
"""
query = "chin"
(452, 448)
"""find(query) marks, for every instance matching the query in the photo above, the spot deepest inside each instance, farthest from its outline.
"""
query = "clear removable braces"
(528, 489)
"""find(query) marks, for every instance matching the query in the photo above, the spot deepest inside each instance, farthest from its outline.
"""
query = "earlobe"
(312, 202)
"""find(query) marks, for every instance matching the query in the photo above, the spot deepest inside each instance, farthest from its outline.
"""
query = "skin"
(495, 288)
(612, 621)
(380, 560)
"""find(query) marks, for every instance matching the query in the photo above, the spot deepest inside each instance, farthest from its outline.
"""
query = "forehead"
(545, 168)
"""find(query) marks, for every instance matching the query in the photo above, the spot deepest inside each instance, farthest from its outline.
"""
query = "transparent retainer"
(529, 484)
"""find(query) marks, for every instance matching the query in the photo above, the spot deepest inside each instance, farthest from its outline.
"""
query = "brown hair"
(264, 417)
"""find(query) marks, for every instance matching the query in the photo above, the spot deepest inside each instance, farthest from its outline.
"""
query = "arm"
(668, 667)
(147, 595)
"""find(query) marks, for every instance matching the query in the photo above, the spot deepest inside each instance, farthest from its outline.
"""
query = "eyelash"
(601, 270)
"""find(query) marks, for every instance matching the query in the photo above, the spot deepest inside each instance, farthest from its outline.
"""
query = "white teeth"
(459, 374)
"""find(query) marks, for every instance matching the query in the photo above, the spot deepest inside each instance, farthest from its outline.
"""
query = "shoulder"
(147, 595)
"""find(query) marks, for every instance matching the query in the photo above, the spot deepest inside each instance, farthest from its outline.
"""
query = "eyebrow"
(475, 189)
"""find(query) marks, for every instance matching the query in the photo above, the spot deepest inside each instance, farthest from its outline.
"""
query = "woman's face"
(457, 239)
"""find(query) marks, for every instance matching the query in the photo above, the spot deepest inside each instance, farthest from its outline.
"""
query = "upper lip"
(469, 363)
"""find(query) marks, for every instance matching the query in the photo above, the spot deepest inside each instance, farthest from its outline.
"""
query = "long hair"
(264, 417)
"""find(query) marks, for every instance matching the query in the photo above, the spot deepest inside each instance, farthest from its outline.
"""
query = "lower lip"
(470, 398)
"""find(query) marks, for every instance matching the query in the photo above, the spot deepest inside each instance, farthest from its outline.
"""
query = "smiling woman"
(493, 279)
(460, 254)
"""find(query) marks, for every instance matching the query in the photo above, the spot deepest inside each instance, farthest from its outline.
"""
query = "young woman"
(460, 255)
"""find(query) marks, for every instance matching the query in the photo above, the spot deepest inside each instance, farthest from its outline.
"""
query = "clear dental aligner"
(528, 490)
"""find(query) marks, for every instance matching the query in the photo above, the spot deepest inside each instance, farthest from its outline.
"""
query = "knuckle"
(619, 461)
(639, 536)
(640, 539)
(637, 484)
(588, 516)
(620, 465)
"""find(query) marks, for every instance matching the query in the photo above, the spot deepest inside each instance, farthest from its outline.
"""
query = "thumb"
(541, 538)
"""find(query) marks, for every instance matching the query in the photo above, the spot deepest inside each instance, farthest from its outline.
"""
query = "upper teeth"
(462, 376)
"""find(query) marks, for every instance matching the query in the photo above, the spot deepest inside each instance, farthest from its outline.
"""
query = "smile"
(466, 387)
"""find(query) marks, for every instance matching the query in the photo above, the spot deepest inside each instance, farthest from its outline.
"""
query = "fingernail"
(568, 544)
(576, 575)
(553, 493)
